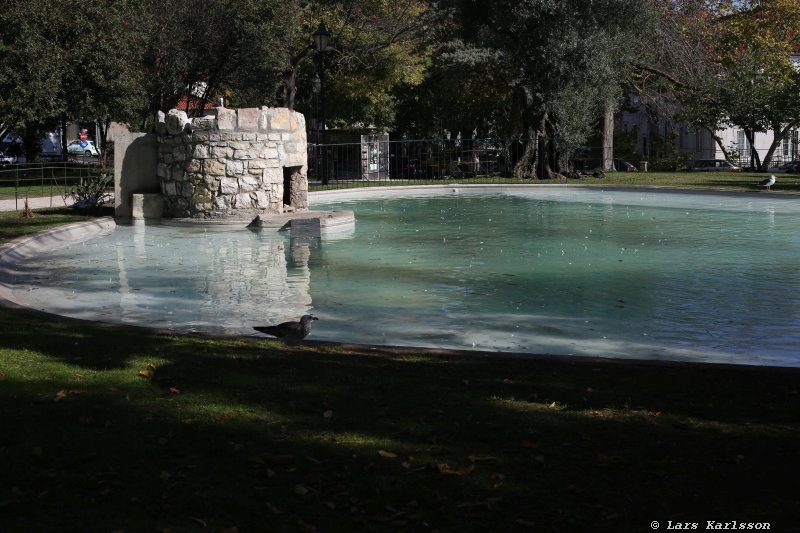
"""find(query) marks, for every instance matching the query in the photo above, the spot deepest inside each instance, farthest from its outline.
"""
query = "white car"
(88, 150)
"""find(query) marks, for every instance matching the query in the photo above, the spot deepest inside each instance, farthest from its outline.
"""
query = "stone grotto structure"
(230, 167)
(233, 165)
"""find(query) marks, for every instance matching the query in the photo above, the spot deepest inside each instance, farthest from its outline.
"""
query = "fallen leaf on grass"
(445, 468)
(60, 395)
(272, 509)
(498, 480)
(477, 458)
(174, 390)
(199, 521)
(302, 490)
(388, 455)
(305, 526)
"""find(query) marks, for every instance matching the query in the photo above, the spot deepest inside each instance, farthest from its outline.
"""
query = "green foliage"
(665, 154)
(625, 143)
(32, 63)
(751, 83)
(91, 191)
(535, 69)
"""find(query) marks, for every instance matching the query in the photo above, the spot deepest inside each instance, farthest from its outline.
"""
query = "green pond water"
(694, 277)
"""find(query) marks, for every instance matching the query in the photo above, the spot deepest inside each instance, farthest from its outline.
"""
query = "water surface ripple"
(561, 271)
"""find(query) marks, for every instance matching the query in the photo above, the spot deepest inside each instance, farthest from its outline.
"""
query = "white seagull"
(769, 182)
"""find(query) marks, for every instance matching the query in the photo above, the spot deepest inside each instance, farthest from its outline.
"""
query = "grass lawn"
(13, 225)
(734, 181)
(108, 428)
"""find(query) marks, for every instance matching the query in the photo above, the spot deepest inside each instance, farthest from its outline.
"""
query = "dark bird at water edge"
(290, 331)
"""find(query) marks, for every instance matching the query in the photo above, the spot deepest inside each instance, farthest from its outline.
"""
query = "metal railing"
(382, 161)
(47, 179)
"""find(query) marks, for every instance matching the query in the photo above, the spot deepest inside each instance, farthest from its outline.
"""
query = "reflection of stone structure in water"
(257, 281)
(234, 164)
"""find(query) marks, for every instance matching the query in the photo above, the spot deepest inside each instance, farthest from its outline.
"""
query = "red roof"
(194, 103)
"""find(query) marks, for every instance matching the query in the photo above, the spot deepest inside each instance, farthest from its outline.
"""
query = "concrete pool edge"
(785, 195)
(20, 248)
(350, 349)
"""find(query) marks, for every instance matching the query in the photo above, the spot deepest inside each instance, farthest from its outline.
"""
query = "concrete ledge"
(31, 245)
(327, 219)
(25, 247)
(147, 207)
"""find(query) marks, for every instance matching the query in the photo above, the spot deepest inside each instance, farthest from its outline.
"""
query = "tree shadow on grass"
(262, 436)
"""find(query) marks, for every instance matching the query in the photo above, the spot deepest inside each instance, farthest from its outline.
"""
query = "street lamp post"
(316, 86)
(321, 38)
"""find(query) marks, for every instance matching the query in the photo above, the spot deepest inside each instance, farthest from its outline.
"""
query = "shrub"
(91, 192)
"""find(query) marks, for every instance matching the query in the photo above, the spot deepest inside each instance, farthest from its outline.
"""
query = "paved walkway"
(11, 204)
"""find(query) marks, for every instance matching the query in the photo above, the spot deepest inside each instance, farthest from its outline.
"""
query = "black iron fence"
(47, 179)
(378, 160)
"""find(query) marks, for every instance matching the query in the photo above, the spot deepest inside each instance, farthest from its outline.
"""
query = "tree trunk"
(289, 81)
(779, 135)
(525, 167)
(103, 126)
(755, 159)
(607, 136)
(5, 128)
(31, 142)
(63, 137)
(718, 140)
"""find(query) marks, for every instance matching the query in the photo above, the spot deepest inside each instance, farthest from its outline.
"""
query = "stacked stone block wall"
(230, 165)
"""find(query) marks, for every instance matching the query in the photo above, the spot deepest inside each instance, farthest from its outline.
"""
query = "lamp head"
(321, 37)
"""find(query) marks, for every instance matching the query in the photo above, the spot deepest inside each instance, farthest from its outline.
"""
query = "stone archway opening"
(295, 190)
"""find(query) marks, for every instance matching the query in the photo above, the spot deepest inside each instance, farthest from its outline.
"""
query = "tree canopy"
(538, 69)
(545, 71)
(730, 64)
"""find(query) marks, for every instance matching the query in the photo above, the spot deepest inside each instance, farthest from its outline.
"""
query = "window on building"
(786, 148)
(742, 146)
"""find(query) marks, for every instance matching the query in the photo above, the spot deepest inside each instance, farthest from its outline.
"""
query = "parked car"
(625, 166)
(6, 159)
(794, 166)
(713, 165)
(88, 150)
